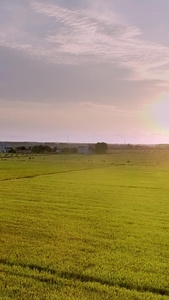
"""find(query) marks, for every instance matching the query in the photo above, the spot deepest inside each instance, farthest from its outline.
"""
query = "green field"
(85, 227)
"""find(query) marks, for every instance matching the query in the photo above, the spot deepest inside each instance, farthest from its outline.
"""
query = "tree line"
(98, 148)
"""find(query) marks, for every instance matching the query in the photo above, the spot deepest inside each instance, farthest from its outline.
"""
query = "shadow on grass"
(81, 278)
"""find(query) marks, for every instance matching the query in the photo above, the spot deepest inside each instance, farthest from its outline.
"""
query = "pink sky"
(90, 72)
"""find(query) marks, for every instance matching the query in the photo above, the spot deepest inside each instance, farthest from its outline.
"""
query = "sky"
(84, 71)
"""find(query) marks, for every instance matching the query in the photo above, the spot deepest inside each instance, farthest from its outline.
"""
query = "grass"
(84, 227)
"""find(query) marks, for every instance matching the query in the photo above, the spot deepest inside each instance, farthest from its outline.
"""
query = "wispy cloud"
(107, 107)
(78, 36)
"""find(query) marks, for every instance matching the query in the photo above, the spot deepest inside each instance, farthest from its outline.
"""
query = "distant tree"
(101, 148)
(11, 150)
(37, 149)
(129, 146)
(21, 148)
(41, 149)
(65, 150)
(47, 149)
(74, 150)
(69, 150)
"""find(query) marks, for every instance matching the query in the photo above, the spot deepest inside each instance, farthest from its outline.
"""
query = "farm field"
(85, 227)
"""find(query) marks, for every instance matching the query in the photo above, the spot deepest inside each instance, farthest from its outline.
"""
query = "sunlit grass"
(85, 227)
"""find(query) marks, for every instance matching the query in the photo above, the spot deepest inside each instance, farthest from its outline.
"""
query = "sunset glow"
(94, 70)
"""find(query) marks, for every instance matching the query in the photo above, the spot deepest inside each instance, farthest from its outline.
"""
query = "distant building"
(58, 151)
(4, 147)
(84, 150)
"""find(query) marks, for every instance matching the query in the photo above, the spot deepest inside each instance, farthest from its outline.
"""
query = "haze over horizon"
(84, 71)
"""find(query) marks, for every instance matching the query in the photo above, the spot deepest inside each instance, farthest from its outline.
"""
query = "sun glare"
(157, 115)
